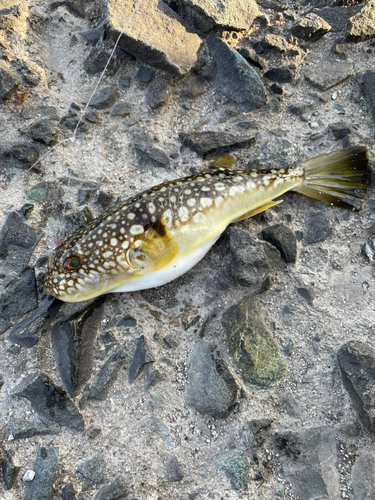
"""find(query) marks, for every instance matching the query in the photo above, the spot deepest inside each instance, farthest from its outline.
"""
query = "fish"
(156, 236)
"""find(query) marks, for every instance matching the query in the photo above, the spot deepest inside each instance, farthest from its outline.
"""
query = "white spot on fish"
(183, 213)
(218, 201)
(125, 245)
(199, 218)
(219, 186)
(114, 242)
(131, 215)
(206, 202)
(151, 208)
(191, 202)
(107, 254)
(136, 229)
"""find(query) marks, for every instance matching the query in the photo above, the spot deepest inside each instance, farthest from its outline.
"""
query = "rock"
(193, 87)
(115, 490)
(307, 293)
(75, 7)
(318, 227)
(336, 18)
(127, 322)
(280, 74)
(172, 472)
(157, 94)
(211, 389)
(144, 74)
(141, 357)
(29, 331)
(94, 35)
(251, 259)
(369, 91)
(25, 154)
(341, 129)
(152, 35)
(108, 374)
(38, 112)
(357, 364)
(303, 110)
(45, 466)
(93, 470)
(234, 77)
(325, 75)
(237, 471)
(121, 109)
(68, 493)
(10, 471)
(104, 98)
(97, 60)
(276, 153)
(92, 116)
(73, 339)
(22, 429)
(17, 242)
(166, 297)
(363, 477)
(276, 42)
(252, 58)
(49, 401)
(124, 82)
(162, 430)
(217, 143)
(44, 131)
(284, 239)
(311, 27)
(148, 155)
(260, 429)
(251, 345)
(9, 80)
(361, 26)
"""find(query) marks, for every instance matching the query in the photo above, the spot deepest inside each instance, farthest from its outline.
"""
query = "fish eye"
(72, 262)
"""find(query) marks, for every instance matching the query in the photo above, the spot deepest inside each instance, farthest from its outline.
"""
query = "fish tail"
(339, 178)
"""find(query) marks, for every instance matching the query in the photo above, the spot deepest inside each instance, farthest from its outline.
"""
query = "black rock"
(218, 143)
(26, 210)
(318, 227)
(49, 401)
(92, 116)
(96, 61)
(9, 80)
(45, 466)
(123, 55)
(115, 490)
(10, 471)
(157, 93)
(22, 429)
(44, 131)
(17, 242)
(104, 98)
(252, 58)
(281, 74)
(283, 239)
(127, 322)
(341, 129)
(234, 77)
(144, 74)
(311, 27)
(25, 154)
(141, 357)
(369, 91)
(357, 364)
(276, 89)
(93, 470)
(307, 293)
(363, 477)
(303, 110)
(108, 374)
(73, 339)
(124, 82)
(148, 156)
(172, 472)
(93, 35)
(121, 109)
(68, 492)
(211, 389)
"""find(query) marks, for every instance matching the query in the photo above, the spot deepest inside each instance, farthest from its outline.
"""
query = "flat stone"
(211, 389)
(93, 470)
(276, 153)
(157, 94)
(280, 74)
(302, 110)
(363, 477)
(108, 374)
(121, 109)
(318, 227)
(144, 74)
(251, 345)
(237, 470)
(218, 143)
(44, 131)
(17, 242)
(49, 401)
(325, 75)
(115, 490)
(141, 357)
(284, 239)
(369, 91)
(127, 322)
(342, 129)
(336, 18)
(234, 77)
(152, 35)
(23, 153)
(361, 26)
(148, 155)
(45, 466)
(9, 80)
(172, 472)
(104, 98)
(357, 364)
(38, 112)
(124, 82)
(311, 27)
(276, 42)
(23, 429)
(9, 469)
(97, 60)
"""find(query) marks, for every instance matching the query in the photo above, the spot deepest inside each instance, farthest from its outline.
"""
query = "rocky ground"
(253, 375)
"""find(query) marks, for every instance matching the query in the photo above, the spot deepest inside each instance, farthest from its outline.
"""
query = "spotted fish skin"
(156, 236)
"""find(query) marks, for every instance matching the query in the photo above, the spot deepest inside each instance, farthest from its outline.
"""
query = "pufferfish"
(152, 238)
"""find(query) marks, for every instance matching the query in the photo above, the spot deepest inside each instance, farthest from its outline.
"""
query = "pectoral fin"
(224, 162)
(258, 210)
(158, 246)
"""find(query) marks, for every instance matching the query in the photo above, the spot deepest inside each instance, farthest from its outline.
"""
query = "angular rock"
(276, 153)
(124, 82)
(34, 112)
(341, 129)
(311, 27)
(108, 374)
(162, 430)
(73, 339)
(153, 34)
(363, 477)
(277, 42)
(22, 429)
(237, 471)
(251, 259)
(144, 74)
(303, 110)
(121, 109)
(44, 131)
(25, 154)
(361, 26)
(234, 77)
(127, 322)
(148, 155)
(115, 490)
(307, 293)
(45, 466)
(218, 143)
(357, 364)
(9, 80)
(157, 93)
(193, 87)
(97, 60)
(104, 98)
(325, 75)
(172, 472)
(141, 357)
(369, 91)
(211, 389)
(49, 401)
(281, 74)
(68, 493)
(318, 227)
(251, 345)
(93, 35)
(10, 471)
(252, 58)
(93, 470)
(284, 239)
(336, 18)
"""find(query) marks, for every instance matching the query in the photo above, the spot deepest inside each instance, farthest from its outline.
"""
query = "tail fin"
(339, 178)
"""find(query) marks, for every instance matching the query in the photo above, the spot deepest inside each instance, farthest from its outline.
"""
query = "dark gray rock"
(251, 345)
(104, 98)
(44, 131)
(307, 293)
(45, 465)
(311, 27)
(9, 80)
(108, 374)
(127, 322)
(237, 470)
(23, 153)
(115, 490)
(303, 110)
(166, 297)
(9, 469)
(234, 77)
(157, 94)
(325, 75)
(26, 210)
(172, 472)
(17, 242)
(193, 87)
(211, 388)
(49, 401)
(336, 18)
(363, 477)
(96, 61)
(93, 35)
(93, 470)
(361, 26)
(276, 153)
(357, 364)
(22, 429)
(148, 156)
(218, 143)
(141, 357)
(280, 74)
(73, 339)
(284, 239)
(369, 91)
(124, 82)
(162, 430)
(252, 58)
(144, 74)
(318, 227)
(252, 260)
(68, 493)
(121, 109)
(341, 129)
(92, 116)
(38, 112)
(276, 42)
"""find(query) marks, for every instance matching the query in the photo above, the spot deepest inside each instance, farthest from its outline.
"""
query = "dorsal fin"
(224, 162)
